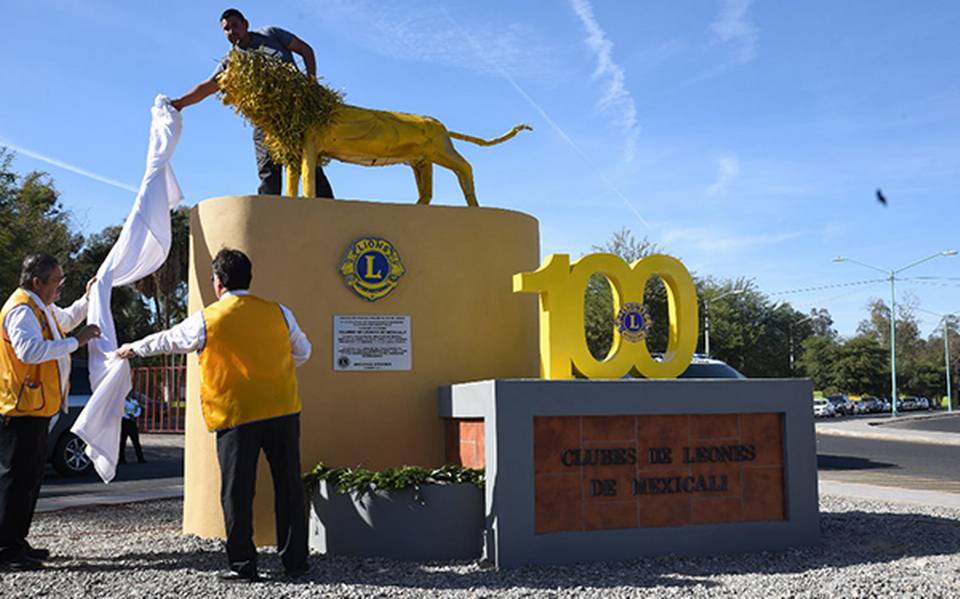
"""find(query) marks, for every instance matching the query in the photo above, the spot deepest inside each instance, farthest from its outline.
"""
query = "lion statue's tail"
(490, 142)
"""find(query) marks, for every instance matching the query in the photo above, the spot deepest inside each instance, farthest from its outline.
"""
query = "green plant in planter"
(361, 480)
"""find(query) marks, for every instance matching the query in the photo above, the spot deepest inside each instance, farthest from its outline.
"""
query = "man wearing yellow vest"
(249, 349)
(34, 382)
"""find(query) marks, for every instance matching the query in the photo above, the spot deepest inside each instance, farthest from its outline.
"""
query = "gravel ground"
(868, 549)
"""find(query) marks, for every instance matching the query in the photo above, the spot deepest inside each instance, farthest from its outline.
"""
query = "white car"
(823, 409)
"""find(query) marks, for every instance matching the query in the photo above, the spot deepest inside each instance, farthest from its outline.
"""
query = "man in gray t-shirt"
(276, 43)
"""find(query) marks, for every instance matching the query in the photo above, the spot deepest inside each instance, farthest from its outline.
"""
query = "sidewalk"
(879, 429)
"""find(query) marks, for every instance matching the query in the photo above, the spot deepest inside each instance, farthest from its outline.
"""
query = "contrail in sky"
(69, 167)
(550, 121)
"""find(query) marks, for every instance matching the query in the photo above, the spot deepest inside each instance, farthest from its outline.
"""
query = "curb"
(901, 437)
(84, 500)
(913, 417)
(890, 494)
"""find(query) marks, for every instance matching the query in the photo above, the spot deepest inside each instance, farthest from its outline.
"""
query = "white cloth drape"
(140, 250)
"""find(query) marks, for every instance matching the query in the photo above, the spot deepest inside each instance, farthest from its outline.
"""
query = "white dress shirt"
(26, 336)
(190, 335)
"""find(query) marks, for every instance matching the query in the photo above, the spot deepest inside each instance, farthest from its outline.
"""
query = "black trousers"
(23, 457)
(238, 450)
(270, 172)
(128, 429)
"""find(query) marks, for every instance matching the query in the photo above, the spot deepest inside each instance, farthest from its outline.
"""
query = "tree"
(817, 361)
(599, 319)
(821, 323)
(749, 332)
(32, 219)
(861, 366)
(878, 325)
(167, 286)
(916, 368)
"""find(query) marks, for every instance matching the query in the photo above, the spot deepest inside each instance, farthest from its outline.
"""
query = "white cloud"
(422, 32)
(733, 26)
(68, 167)
(713, 240)
(728, 169)
(617, 99)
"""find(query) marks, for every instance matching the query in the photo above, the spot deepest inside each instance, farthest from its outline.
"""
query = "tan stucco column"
(466, 324)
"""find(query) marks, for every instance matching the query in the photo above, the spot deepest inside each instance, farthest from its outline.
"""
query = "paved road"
(940, 424)
(162, 474)
(889, 463)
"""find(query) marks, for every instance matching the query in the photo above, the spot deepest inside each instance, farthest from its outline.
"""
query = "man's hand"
(87, 333)
(89, 287)
(178, 104)
(126, 352)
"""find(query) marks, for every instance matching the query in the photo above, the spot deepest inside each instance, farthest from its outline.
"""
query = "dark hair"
(231, 12)
(233, 268)
(37, 265)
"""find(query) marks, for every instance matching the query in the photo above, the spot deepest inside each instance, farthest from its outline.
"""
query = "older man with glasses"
(34, 382)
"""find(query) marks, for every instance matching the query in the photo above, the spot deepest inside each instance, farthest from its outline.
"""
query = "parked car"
(923, 403)
(64, 449)
(709, 368)
(842, 405)
(869, 405)
(823, 409)
(908, 404)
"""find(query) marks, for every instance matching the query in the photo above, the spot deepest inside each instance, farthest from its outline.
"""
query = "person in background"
(34, 383)
(128, 428)
(276, 43)
(249, 350)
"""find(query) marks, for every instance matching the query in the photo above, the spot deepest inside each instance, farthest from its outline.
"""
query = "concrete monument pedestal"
(616, 469)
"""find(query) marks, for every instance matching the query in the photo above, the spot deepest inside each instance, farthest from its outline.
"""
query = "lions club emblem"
(371, 267)
(633, 322)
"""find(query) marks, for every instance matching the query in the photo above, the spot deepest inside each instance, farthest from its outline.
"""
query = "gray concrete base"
(446, 524)
(508, 408)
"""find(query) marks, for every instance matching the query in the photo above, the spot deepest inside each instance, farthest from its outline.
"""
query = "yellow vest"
(246, 367)
(28, 389)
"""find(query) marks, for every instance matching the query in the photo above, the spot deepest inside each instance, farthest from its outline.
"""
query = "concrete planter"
(446, 524)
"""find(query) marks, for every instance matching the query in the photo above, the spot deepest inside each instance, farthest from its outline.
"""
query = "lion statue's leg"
(292, 182)
(423, 172)
(308, 171)
(458, 164)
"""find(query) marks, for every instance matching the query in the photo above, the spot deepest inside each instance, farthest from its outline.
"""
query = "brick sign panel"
(609, 472)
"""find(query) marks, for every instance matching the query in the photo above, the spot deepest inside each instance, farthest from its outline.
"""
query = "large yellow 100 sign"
(563, 344)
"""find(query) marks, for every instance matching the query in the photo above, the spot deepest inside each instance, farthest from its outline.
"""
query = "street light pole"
(706, 317)
(943, 322)
(790, 326)
(893, 313)
(893, 345)
(946, 359)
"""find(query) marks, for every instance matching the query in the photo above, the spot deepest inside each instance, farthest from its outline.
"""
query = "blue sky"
(745, 138)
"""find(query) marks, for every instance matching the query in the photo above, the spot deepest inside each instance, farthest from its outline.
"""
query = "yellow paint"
(246, 330)
(379, 138)
(28, 389)
(305, 122)
(466, 325)
(563, 348)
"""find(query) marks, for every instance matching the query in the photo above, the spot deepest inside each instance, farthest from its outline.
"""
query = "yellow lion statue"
(305, 122)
